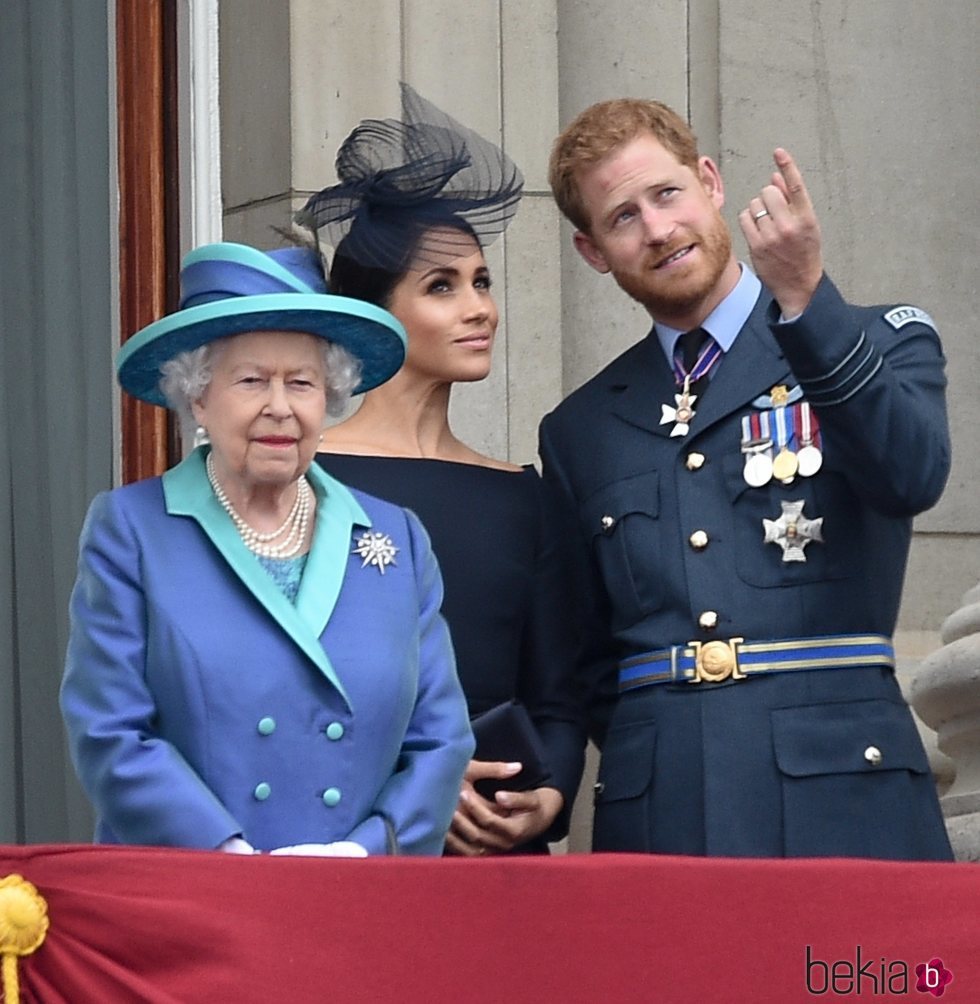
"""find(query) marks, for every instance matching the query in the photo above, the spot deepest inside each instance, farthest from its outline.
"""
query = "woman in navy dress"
(416, 202)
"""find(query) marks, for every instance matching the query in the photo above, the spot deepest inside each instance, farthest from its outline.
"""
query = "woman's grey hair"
(185, 378)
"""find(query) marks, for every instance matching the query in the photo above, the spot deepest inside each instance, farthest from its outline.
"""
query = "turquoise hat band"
(368, 332)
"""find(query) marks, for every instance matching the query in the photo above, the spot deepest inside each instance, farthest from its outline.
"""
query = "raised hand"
(783, 235)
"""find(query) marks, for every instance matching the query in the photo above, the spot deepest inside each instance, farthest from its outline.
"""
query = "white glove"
(236, 845)
(338, 849)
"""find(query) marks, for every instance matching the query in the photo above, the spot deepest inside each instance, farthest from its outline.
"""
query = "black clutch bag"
(507, 733)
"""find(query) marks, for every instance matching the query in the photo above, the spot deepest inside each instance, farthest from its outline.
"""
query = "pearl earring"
(200, 436)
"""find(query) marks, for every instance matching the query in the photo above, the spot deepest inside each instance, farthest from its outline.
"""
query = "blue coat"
(777, 763)
(200, 703)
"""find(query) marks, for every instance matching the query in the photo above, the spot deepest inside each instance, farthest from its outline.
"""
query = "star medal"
(682, 412)
(810, 458)
(375, 549)
(792, 531)
(757, 448)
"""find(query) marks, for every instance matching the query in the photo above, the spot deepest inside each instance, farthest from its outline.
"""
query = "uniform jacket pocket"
(850, 737)
(626, 768)
(622, 521)
(826, 496)
(623, 793)
(856, 783)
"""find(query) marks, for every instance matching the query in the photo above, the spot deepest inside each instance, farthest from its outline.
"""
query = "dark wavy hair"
(348, 277)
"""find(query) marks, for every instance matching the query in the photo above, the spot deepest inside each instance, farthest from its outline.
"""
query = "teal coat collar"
(187, 492)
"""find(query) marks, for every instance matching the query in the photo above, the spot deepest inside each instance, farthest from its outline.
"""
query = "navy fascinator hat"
(426, 184)
(229, 289)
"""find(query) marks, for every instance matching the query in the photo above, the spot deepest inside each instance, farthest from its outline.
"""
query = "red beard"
(668, 296)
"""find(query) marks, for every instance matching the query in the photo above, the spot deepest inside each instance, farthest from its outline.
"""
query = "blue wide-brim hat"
(230, 289)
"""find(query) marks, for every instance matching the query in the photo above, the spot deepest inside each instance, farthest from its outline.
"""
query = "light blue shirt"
(725, 321)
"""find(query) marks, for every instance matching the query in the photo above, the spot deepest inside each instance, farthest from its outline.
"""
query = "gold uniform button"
(708, 620)
(694, 461)
(873, 755)
(698, 540)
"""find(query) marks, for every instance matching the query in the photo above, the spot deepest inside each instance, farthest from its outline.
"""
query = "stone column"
(945, 692)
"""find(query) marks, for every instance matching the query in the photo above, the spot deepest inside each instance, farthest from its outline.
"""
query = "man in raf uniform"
(743, 482)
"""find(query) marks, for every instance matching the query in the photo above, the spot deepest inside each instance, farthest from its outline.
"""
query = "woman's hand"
(481, 826)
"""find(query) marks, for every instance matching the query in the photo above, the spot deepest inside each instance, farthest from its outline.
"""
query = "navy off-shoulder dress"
(501, 552)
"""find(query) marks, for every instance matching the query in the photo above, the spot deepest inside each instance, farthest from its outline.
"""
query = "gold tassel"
(23, 927)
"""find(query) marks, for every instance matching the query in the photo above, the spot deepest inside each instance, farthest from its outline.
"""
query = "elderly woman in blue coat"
(257, 660)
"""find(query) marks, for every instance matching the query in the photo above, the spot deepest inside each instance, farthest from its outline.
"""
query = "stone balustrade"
(945, 693)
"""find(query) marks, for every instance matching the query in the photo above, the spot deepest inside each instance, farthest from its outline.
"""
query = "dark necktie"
(691, 344)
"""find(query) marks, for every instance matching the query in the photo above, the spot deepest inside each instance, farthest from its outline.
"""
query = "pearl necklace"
(296, 522)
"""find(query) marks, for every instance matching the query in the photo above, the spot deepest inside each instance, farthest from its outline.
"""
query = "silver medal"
(810, 460)
(758, 469)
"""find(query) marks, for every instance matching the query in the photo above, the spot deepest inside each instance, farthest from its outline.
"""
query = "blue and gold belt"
(737, 659)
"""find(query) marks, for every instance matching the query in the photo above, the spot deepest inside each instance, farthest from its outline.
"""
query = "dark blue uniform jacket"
(775, 764)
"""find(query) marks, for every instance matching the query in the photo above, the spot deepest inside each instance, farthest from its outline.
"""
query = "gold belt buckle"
(715, 661)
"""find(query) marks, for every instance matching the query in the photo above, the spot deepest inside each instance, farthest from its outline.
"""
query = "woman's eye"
(439, 286)
(483, 282)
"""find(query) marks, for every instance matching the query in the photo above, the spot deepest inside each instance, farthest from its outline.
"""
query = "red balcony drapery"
(179, 927)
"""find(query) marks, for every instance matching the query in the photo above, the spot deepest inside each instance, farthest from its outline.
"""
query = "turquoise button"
(267, 726)
(335, 731)
(331, 797)
(262, 792)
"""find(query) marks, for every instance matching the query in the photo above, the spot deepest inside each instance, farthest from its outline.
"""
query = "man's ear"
(710, 178)
(587, 249)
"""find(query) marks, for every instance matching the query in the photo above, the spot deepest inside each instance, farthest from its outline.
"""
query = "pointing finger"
(798, 197)
(779, 183)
